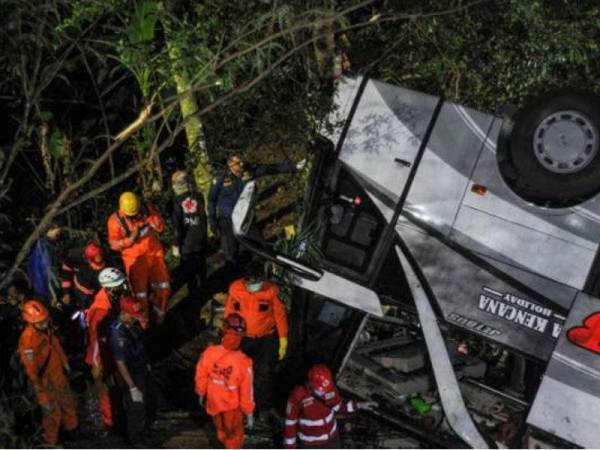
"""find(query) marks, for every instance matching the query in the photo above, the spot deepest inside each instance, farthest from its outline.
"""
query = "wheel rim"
(565, 142)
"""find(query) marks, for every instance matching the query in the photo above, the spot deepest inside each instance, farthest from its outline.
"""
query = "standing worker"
(47, 368)
(132, 230)
(79, 281)
(79, 275)
(224, 384)
(311, 411)
(101, 313)
(266, 340)
(129, 353)
(225, 192)
(42, 266)
(189, 232)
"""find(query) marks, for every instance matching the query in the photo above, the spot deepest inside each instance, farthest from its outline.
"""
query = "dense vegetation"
(102, 95)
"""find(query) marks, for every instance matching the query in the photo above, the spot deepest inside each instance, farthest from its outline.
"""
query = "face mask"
(319, 392)
(42, 326)
(254, 287)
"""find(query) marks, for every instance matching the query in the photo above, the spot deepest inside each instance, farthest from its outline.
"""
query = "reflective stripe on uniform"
(319, 422)
(83, 289)
(350, 406)
(222, 383)
(335, 408)
(161, 285)
(290, 441)
(321, 437)
(67, 268)
(291, 422)
(141, 295)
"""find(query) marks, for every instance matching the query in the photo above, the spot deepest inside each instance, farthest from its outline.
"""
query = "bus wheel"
(551, 153)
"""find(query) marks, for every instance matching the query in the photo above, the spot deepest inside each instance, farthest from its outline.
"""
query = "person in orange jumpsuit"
(100, 314)
(258, 302)
(47, 367)
(132, 230)
(224, 379)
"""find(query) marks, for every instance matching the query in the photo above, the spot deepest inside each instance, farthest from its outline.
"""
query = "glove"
(301, 164)
(367, 406)
(201, 401)
(283, 344)
(250, 421)
(136, 395)
(97, 372)
(175, 251)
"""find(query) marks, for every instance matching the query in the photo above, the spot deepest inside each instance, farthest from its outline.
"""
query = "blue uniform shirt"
(227, 188)
(127, 344)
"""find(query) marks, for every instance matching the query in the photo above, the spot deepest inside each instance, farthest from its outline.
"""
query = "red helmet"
(235, 323)
(94, 254)
(34, 312)
(320, 379)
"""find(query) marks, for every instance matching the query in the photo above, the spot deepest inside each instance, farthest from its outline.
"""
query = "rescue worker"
(101, 313)
(79, 275)
(224, 384)
(79, 282)
(47, 368)
(266, 340)
(311, 412)
(42, 266)
(133, 230)
(225, 192)
(129, 353)
(189, 232)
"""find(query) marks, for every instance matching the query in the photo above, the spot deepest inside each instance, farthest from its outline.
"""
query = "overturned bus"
(460, 269)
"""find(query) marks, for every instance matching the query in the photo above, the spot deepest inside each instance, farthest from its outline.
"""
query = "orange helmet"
(34, 312)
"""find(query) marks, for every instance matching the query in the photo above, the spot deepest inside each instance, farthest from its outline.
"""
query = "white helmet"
(111, 277)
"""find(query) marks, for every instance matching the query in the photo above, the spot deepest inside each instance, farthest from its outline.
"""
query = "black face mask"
(117, 292)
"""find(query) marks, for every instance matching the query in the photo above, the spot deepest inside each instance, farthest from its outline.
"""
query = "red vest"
(311, 419)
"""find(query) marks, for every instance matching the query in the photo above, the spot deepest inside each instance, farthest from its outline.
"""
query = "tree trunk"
(189, 110)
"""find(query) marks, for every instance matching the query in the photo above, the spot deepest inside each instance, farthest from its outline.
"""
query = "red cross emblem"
(588, 335)
(189, 205)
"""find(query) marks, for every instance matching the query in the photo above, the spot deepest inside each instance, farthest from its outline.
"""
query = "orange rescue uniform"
(45, 361)
(98, 351)
(144, 257)
(224, 378)
(263, 310)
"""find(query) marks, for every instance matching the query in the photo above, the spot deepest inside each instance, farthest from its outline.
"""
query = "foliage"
(488, 55)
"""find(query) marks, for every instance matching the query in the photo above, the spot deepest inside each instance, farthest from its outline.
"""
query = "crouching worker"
(47, 368)
(311, 411)
(224, 384)
(129, 353)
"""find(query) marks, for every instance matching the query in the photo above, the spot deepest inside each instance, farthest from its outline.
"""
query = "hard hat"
(34, 312)
(320, 379)
(235, 323)
(129, 204)
(111, 277)
(132, 307)
(93, 253)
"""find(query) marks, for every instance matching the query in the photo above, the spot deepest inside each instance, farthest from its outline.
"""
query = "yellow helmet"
(129, 204)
